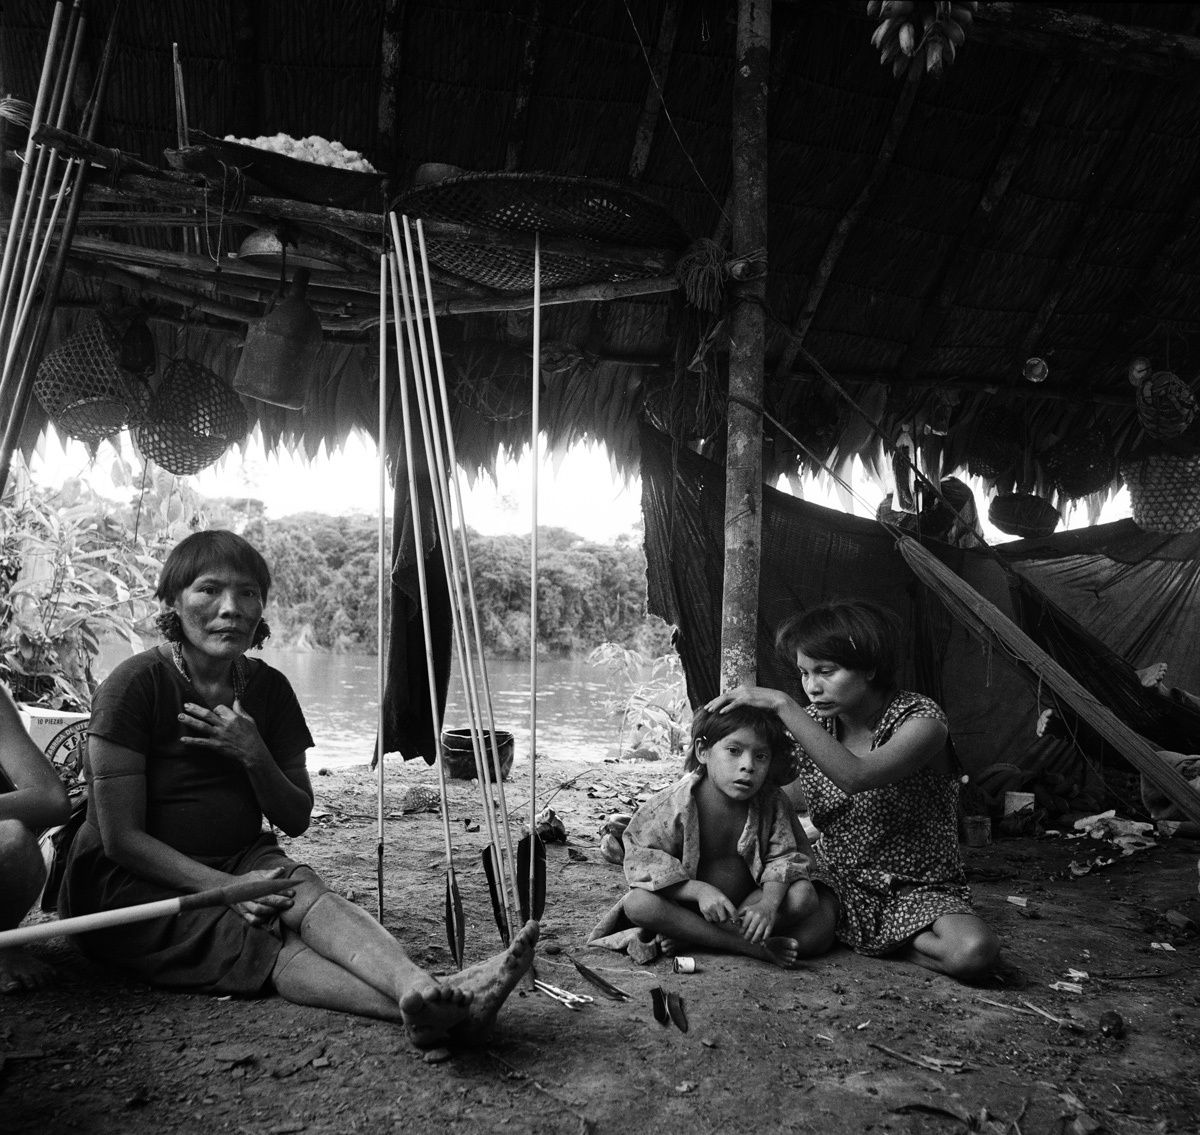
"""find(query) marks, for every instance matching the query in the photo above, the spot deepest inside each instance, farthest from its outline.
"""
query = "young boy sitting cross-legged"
(718, 860)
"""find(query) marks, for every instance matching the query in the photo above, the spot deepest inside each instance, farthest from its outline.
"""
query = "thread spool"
(684, 965)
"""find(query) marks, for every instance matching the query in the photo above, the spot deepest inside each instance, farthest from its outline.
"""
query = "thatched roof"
(927, 235)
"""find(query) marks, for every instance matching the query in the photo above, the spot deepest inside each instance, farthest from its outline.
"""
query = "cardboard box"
(60, 735)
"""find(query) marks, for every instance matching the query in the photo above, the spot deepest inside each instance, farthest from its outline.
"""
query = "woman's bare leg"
(959, 945)
(306, 978)
(22, 874)
(346, 935)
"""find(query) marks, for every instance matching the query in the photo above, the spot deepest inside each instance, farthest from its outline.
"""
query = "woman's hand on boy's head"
(758, 697)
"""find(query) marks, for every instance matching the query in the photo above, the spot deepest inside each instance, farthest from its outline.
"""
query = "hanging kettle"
(280, 350)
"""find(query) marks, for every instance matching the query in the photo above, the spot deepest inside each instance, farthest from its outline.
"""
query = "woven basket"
(84, 390)
(1082, 464)
(1023, 514)
(1165, 405)
(194, 418)
(994, 447)
(1164, 492)
(569, 207)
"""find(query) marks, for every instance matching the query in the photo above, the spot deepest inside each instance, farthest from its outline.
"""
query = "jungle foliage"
(324, 590)
(78, 569)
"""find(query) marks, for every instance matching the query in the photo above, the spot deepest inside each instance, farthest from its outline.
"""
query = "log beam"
(743, 462)
(390, 59)
(520, 111)
(659, 63)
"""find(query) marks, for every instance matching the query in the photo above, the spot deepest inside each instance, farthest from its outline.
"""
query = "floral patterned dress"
(890, 854)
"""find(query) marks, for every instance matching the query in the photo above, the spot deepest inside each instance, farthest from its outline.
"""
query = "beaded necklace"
(241, 670)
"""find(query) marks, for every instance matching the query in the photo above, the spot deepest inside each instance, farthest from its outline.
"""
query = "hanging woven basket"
(1081, 464)
(1164, 492)
(1165, 404)
(193, 419)
(1023, 514)
(994, 446)
(85, 391)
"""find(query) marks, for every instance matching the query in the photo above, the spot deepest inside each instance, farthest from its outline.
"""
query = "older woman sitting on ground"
(190, 745)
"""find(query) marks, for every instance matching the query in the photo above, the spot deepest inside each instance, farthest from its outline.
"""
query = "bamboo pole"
(34, 227)
(7, 263)
(16, 395)
(743, 463)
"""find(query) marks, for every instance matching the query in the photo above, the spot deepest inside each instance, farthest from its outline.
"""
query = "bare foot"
(1153, 675)
(784, 952)
(668, 946)
(20, 970)
(490, 982)
(431, 1009)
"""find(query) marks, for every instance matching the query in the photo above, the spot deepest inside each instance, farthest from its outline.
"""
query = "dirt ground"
(847, 1044)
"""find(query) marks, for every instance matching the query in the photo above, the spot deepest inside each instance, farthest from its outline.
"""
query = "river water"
(578, 704)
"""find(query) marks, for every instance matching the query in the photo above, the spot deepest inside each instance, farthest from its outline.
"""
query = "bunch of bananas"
(919, 33)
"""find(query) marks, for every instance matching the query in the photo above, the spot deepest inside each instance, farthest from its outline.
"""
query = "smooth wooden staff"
(380, 577)
(535, 427)
(228, 895)
(455, 927)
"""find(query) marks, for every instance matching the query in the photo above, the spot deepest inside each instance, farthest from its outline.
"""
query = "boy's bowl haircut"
(709, 726)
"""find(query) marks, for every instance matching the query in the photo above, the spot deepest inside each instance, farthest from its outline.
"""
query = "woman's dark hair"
(854, 633)
(710, 726)
(206, 551)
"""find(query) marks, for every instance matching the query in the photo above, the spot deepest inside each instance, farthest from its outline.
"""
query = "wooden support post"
(391, 52)
(743, 463)
(520, 110)
(660, 62)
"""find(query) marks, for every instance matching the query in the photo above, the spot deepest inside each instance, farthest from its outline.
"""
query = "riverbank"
(845, 1045)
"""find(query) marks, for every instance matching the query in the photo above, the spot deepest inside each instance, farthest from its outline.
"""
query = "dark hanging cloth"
(408, 725)
(809, 555)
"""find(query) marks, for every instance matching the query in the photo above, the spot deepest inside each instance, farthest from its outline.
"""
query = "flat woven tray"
(568, 207)
(303, 181)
